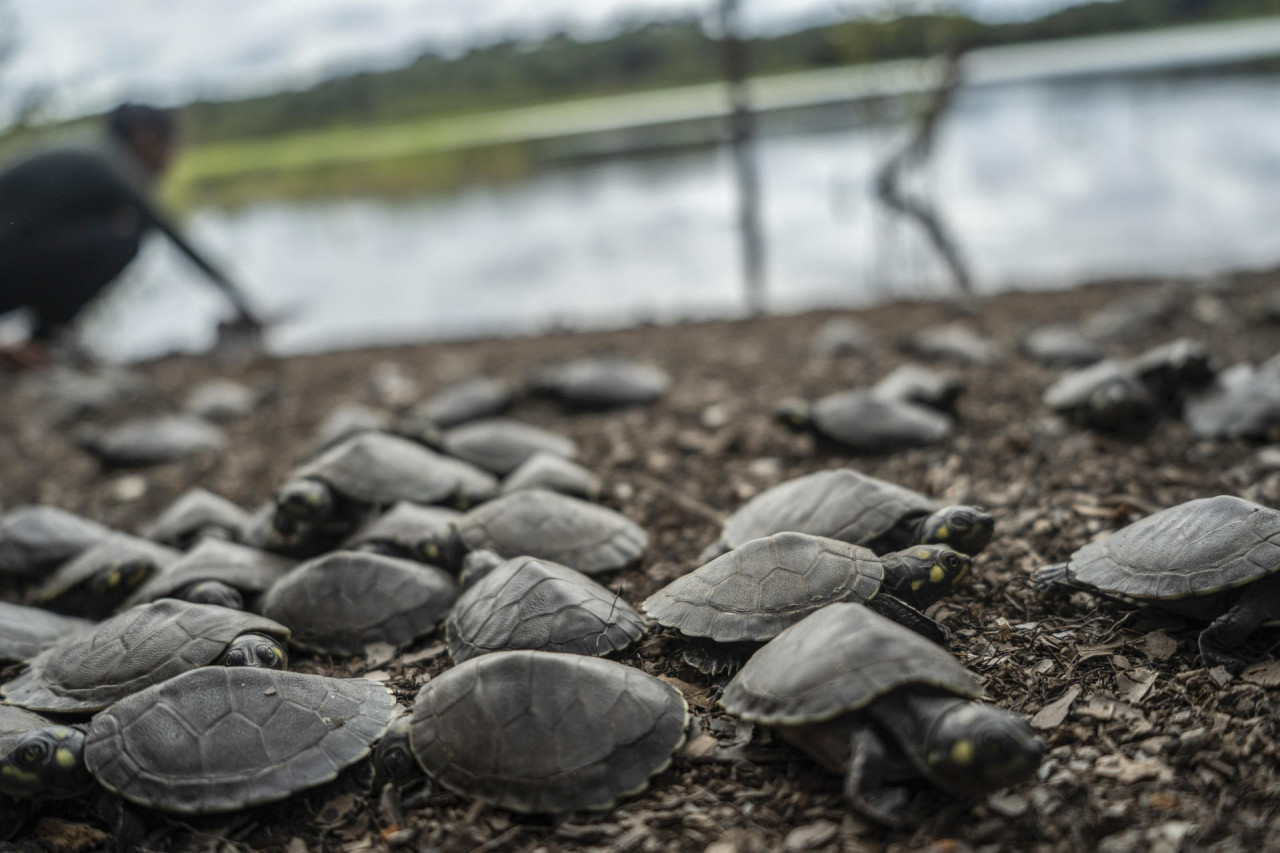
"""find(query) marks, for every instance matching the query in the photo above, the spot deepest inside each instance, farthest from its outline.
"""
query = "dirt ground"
(1148, 750)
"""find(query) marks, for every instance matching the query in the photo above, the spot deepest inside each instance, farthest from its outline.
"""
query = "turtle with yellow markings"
(94, 583)
(39, 758)
(880, 704)
(749, 595)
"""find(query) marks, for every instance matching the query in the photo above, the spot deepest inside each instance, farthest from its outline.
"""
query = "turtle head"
(793, 413)
(213, 592)
(441, 548)
(968, 529)
(1120, 406)
(116, 580)
(476, 566)
(393, 759)
(974, 747)
(305, 500)
(45, 763)
(256, 650)
(925, 573)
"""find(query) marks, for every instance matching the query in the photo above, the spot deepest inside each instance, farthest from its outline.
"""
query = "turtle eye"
(961, 522)
(235, 657)
(268, 656)
(953, 562)
(32, 754)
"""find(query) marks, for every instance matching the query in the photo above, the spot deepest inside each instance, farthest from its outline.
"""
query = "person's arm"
(215, 275)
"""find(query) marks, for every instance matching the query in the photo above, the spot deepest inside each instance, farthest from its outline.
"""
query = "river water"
(1043, 185)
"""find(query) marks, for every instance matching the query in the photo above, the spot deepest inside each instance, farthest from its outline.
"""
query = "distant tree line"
(653, 55)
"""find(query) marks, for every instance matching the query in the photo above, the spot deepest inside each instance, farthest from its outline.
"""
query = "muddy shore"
(1149, 751)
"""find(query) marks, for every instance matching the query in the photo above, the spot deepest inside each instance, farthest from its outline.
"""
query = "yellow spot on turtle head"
(943, 532)
(923, 553)
(12, 772)
(937, 574)
(113, 579)
(433, 551)
(65, 758)
(962, 752)
(917, 583)
(61, 732)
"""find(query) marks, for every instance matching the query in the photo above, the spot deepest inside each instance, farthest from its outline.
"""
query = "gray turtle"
(221, 400)
(549, 471)
(1060, 344)
(751, 594)
(373, 470)
(140, 647)
(40, 759)
(407, 530)
(153, 441)
(468, 400)
(915, 384)
(865, 422)
(34, 539)
(840, 337)
(1215, 559)
(602, 382)
(1104, 396)
(540, 732)
(878, 704)
(221, 740)
(99, 579)
(197, 514)
(955, 342)
(342, 602)
(345, 421)
(1173, 370)
(215, 572)
(550, 526)
(850, 506)
(1127, 317)
(27, 631)
(528, 603)
(501, 445)
(1243, 402)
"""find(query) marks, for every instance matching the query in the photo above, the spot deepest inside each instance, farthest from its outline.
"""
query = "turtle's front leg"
(864, 780)
(1258, 603)
(907, 616)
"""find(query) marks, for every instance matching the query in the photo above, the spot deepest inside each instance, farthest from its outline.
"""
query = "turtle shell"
(555, 527)
(756, 590)
(16, 722)
(543, 732)
(155, 441)
(1196, 548)
(116, 549)
(922, 386)
(870, 422)
(36, 538)
(1075, 389)
(129, 652)
(378, 468)
(27, 631)
(342, 602)
(598, 382)
(837, 660)
(841, 504)
(501, 445)
(528, 603)
(401, 531)
(247, 569)
(224, 739)
(548, 471)
(195, 511)
(468, 400)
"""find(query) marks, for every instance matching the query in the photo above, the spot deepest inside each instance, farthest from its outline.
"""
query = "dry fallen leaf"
(1159, 646)
(1052, 715)
(1264, 673)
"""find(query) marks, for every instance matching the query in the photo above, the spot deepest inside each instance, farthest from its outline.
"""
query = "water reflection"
(1044, 185)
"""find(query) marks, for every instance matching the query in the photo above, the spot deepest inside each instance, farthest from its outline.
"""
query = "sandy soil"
(1149, 751)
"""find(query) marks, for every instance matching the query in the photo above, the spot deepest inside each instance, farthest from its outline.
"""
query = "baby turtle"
(855, 508)
(406, 530)
(216, 572)
(501, 445)
(1105, 396)
(468, 400)
(839, 337)
(539, 732)
(955, 342)
(866, 422)
(372, 470)
(195, 515)
(221, 400)
(344, 601)
(549, 471)
(912, 383)
(40, 759)
(1059, 344)
(602, 382)
(345, 421)
(550, 526)
(751, 594)
(96, 582)
(153, 441)
(1130, 316)
(34, 539)
(528, 603)
(221, 740)
(1243, 402)
(1173, 370)
(1216, 559)
(879, 704)
(140, 647)
(27, 631)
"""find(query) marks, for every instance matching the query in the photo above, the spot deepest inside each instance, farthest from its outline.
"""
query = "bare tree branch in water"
(741, 132)
(889, 180)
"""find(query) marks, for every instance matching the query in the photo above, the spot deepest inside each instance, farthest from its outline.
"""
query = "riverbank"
(1153, 750)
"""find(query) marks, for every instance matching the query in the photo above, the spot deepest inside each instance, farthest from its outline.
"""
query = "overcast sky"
(90, 54)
